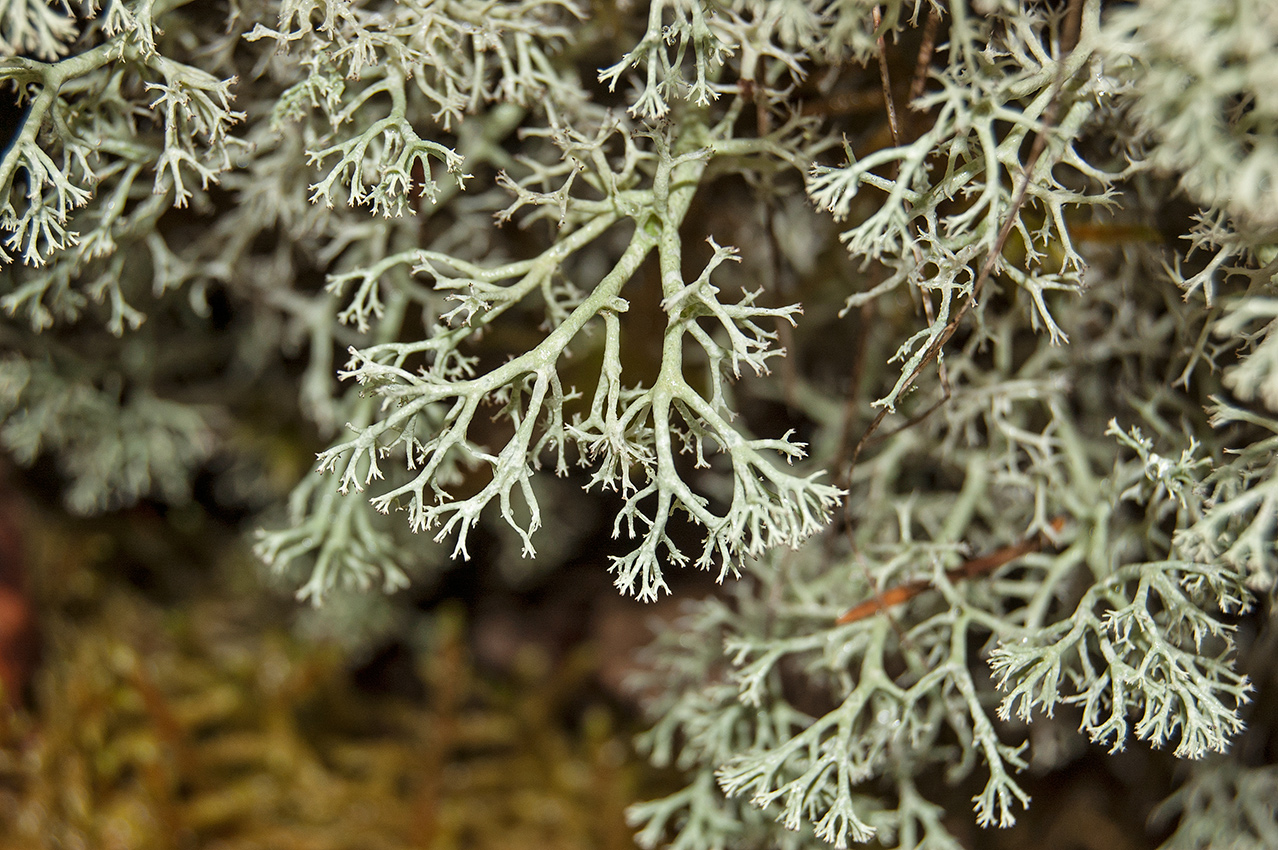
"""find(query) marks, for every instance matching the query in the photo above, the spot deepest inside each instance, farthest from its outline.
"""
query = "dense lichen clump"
(943, 332)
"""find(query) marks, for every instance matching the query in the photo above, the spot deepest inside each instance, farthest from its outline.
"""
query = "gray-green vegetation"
(1008, 267)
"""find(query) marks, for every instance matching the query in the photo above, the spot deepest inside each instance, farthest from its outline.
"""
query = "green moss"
(203, 725)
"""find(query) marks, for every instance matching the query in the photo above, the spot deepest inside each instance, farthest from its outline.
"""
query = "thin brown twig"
(886, 79)
(930, 28)
(883, 601)
(753, 92)
(852, 392)
(917, 85)
(916, 420)
(879, 603)
(968, 569)
(867, 309)
(1068, 42)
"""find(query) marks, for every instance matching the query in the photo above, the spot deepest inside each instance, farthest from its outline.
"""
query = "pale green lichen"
(559, 238)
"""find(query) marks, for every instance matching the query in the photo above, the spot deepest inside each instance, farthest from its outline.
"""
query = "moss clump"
(200, 726)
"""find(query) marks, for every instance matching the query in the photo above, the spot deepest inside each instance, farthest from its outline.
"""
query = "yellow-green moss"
(206, 727)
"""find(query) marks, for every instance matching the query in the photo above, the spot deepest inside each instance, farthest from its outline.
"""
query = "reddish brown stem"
(968, 569)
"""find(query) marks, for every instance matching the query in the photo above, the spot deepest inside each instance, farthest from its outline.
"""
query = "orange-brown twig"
(968, 569)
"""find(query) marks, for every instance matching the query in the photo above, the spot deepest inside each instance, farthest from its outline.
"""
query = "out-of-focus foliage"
(1200, 79)
(1223, 804)
(113, 450)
